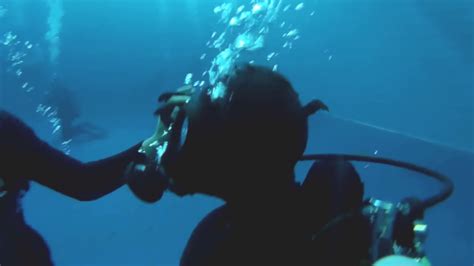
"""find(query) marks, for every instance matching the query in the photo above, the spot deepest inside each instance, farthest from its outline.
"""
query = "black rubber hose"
(446, 191)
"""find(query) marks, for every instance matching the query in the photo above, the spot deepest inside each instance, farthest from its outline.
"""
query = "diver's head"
(249, 130)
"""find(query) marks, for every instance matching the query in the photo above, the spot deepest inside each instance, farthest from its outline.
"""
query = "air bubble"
(240, 9)
(17, 63)
(234, 21)
(299, 6)
(56, 129)
(257, 8)
(288, 45)
(188, 78)
(255, 21)
(292, 33)
(270, 56)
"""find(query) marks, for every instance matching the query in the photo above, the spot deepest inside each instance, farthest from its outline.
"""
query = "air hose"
(447, 185)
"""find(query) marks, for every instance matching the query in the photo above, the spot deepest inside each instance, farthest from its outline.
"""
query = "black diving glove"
(146, 182)
(145, 178)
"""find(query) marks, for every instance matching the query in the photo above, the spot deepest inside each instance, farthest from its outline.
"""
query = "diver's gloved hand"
(147, 179)
(146, 182)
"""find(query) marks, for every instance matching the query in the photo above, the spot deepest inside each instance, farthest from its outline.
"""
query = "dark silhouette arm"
(24, 155)
(83, 181)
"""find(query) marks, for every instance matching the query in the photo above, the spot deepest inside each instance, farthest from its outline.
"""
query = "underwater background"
(396, 74)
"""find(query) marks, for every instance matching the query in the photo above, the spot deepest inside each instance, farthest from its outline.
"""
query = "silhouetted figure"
(24, 157)
(20, 244)
(62, 99)
(243, 140)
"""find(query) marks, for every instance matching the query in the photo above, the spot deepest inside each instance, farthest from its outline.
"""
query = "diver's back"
(291, 231)
(226, 238)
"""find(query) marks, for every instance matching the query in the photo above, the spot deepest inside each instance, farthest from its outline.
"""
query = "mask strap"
(167, 107)
(164, 97)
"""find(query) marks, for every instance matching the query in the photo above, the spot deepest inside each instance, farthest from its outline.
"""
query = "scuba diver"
(68, 111)
(20, 244)
(24, 157)
(239, 140)
(245, 136)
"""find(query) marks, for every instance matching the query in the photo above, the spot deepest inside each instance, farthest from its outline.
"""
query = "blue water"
(402, 65)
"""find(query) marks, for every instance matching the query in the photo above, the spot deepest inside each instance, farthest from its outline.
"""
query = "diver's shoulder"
(215, 218)
(213, 223)
(13, 128)
(206, 238)
(9, 119)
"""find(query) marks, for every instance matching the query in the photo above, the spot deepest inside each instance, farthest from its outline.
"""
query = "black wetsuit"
(288, 230)
(276, 233)
(24, 156)
(234, 236)
(20, 244)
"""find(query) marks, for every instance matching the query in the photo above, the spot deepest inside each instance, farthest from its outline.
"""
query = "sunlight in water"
(56, 14)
